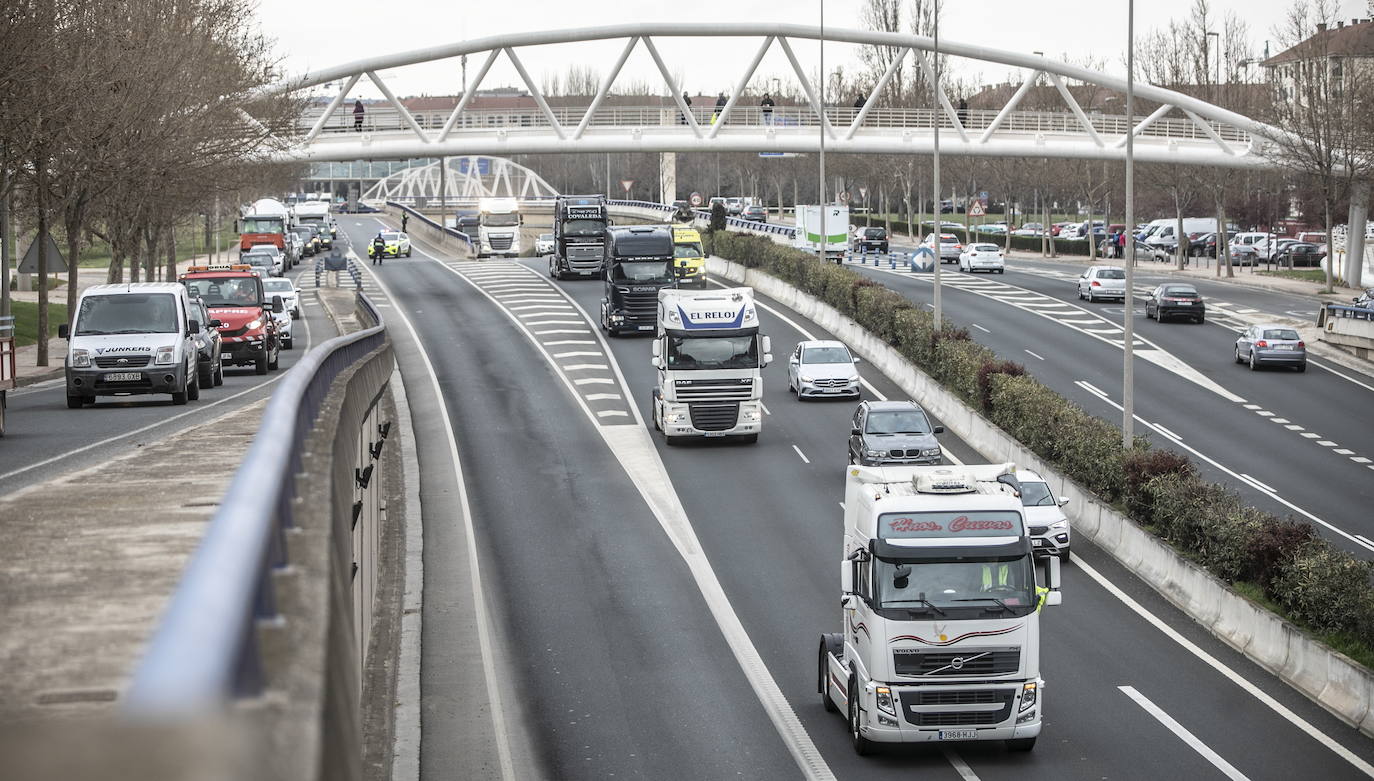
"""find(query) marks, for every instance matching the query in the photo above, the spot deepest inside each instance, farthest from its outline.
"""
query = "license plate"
(958, 734)
(226, 356)
(1037, 542)
(1283, 347)
(715, 433)
(646, 328)
(830, 390)
(124, 377)
(1185, 303)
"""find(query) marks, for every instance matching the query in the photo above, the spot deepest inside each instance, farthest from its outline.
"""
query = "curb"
(1331, 679)
(34, 379)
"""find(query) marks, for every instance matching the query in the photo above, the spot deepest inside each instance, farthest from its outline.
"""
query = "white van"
(1163, 233)
(132, 338)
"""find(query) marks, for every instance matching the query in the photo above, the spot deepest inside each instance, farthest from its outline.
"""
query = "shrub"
(1273, 548)
(1143, 466)
(957, 363)
(985, 373)
(1327, 589)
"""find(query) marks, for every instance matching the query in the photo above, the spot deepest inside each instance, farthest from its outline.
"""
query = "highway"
(44, 438)
(655, 612)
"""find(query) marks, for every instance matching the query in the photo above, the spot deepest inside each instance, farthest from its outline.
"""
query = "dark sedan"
(1175, 300)
(870, 240)
(1300, 253)
(1271, 345)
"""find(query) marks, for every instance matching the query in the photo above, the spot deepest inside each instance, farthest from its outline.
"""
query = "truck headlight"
(1027, 697)
(750, 415)
(81, 359)
(675, 417)
(254, 324)
(165, 355)
(884, 699)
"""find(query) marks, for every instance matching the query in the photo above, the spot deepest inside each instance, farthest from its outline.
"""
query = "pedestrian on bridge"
(858, 105)
(358, 115)
(688, 102)
(720, 106)
(766, 106)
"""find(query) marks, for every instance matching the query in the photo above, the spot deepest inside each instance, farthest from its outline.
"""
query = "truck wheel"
(193, 389)
(828, 646)
(75, 402)
(862, 745)
(207, 378)
(260, 365)
(1021, 744)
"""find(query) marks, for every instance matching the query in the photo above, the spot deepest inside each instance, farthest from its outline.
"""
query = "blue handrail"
(205, 649)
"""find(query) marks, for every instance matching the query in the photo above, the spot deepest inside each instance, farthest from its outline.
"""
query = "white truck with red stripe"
(941, 607)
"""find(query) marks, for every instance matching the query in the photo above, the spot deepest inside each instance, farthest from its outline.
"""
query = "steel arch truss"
(466, 177)
(1204, 135)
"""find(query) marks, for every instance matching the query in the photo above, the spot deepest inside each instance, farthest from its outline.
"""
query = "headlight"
(930, 451)
(875, 453)
(804, 378)
(81, 359)
(885, 703)
(675, 417)
(750, 414)
(165, 355)
(1059, 526)
(1027, 697)
(254, 323)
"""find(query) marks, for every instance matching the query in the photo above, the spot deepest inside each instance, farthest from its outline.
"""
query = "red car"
(234, 296)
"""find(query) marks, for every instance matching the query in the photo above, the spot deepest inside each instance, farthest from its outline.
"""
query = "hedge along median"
(1192, 540)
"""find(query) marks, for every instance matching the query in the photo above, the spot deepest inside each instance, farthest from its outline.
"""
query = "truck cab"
(940, 608)
(638, 265)
(710, 357)
(265, 222)
(689, 257)
(234, 295)
(580, 223)
(133, 338)
(498, 227)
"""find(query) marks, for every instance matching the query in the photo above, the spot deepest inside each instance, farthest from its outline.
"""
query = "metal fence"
(451, 232)
(206, 650)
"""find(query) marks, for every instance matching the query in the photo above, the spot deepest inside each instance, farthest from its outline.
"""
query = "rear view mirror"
(1063, 500)
(857, 359)
(277, 305)
(193, 327)
(939, 429)
(855, 432)
(64, 331)
(216, 323)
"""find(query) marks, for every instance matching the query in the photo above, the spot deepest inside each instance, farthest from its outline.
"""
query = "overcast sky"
(311, 35)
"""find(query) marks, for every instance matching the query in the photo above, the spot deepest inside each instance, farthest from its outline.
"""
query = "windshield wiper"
(999, 602)
(922, 601)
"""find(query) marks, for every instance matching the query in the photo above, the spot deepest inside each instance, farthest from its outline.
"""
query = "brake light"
(1261, 343)
(1096, 283)
(1302, 344)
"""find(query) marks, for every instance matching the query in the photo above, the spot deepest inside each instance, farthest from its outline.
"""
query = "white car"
(544, 244)
(284, 322)
(1102, 282)
(822, 368)
(290, 297)
(982, 257)
(1045, 519)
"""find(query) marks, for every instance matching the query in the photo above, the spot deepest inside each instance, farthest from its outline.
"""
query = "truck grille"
(641, 307)
(129, 361)
(958, 718)
(585, 256)
(499, 243)
(714, 390)
(714, 416)
(968, 662)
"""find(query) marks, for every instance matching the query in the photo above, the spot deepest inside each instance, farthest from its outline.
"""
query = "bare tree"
(884, 16)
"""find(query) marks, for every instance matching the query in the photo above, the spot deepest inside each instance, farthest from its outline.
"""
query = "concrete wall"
(1337, 683)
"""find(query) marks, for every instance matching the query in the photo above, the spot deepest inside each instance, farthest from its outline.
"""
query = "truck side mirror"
(193, 327)
(846, 577)
(656, 362)
(64, 331)
(855, 432)
(1054, 597)
(767, 359)
(767, 345)
(1053, 584)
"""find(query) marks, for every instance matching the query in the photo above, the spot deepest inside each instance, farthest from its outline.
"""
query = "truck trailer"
(940, 606)
(823, 227)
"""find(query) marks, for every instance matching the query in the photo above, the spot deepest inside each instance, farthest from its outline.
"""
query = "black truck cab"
(579, 236)
(639, 263)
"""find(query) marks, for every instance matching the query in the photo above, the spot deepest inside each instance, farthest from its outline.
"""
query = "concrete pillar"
(667, 177)
(1354, 235)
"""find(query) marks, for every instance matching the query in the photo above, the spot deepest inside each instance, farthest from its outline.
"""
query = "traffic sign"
(695, 199)
(844, 196)
(56, 263)
(983, 196)
(627, 184)
(863, 193)
(975, 209)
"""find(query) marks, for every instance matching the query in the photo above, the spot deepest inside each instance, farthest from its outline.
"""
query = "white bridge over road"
(1182, 130)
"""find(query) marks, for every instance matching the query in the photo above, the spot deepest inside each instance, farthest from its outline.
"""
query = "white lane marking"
(1343, 451)
(602, 397)
(801, 455)
(1280, 420)
(479, 599)
(534, 323)
(980, 328)
(1323, 443)
(1253, 406)
(1257, 483)
(562, 342)
(611, 413)
(563, 331)
(594, 381)
(841, 505)
(1346, 377)
(1310, 434)
(1264, 413)
(1166, 432)
(1365, 540)
(539, 306)
(1293, 427)
(1035, 355)
(765, 408)
(572, 367)
(960, 766)
(1360, 460)
(1093, 389)
(1246, 311)
(1227, 672)
(576, 353)
(1183, 734)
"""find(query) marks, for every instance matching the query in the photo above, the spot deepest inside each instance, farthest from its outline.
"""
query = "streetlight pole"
(823, 231)
(935, 166)
(1128, 316)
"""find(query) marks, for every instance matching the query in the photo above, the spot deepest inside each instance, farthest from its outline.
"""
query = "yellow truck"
(689, 257)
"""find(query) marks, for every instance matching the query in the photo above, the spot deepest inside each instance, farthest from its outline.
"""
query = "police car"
(397, 245)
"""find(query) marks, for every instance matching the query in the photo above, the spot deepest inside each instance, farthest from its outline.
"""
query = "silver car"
(950, 248)
(820, 368)
(893, 432)
(1102, 282)
(1271, 345)
(544, 244)
(1049, 527)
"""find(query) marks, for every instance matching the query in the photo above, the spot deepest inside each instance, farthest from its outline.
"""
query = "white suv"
(1102, 282)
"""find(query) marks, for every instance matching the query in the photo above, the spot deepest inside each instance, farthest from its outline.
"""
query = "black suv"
(870, 240)
(208, 344)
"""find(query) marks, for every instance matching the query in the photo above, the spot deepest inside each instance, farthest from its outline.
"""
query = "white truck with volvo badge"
(710, 358)
(941, 609)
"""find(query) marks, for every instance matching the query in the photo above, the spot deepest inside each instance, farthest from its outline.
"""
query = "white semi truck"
(498, 227)
(823, 226)
(941, 609)
(710, 357)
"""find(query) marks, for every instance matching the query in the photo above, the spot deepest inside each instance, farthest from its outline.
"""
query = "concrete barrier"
(1331, 679)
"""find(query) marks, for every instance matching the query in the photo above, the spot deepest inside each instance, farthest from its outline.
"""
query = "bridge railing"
(385, 118)
(207, 650)
(432, 224)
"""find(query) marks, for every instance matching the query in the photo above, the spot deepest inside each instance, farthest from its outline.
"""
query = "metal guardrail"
(206, 650)
(454, 232)
(1349, 312)
(705, 214)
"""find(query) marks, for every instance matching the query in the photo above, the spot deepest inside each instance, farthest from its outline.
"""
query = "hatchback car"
(1102, 282)
(544, 244)
(950, 248)
(867, 240)
(290, 297)
(1174, 300)
(893, 432)
(1271, 345)
(982, 257)
(822, 368)
(1045, 519)
(754, 213)
(1300, 254)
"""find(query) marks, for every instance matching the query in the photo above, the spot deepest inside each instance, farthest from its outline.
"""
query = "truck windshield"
(154, 313)
(997, 584)
(713, 352)
(686, 250)
(263, 225)
(583, 227)
(500, 220)
(651, 271)
(227, 291)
